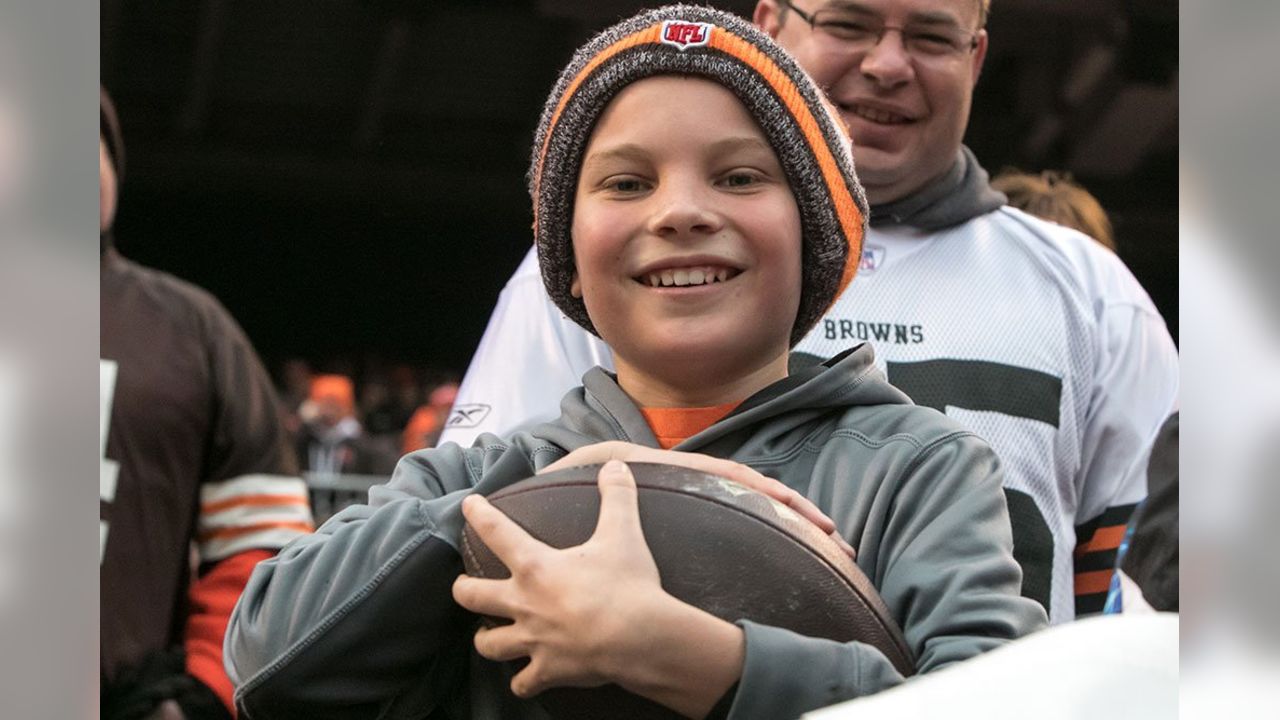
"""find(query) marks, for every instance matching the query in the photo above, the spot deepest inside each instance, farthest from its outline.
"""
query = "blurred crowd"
(359, 422)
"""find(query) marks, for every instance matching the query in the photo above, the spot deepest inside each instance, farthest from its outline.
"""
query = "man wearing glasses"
(1030, 334)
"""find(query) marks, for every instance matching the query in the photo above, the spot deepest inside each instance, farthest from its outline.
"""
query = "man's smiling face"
(906, 111)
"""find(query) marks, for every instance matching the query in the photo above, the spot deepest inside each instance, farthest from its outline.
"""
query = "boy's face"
(686, 235)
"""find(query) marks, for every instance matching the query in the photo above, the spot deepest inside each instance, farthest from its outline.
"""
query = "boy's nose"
(683, 210)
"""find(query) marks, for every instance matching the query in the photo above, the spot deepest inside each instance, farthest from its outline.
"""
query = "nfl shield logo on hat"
(686, 34)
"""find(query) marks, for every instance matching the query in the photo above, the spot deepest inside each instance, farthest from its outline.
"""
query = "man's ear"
(979, 55)
(768, 16)
(108, 192)
(575, 287)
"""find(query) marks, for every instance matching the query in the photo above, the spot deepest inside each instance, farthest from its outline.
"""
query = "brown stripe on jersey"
(1115, 515)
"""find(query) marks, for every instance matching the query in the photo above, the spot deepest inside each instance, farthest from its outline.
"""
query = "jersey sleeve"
(212, 598)
(1135, 389)
(499, 394)
(251, 496)
(252, 501)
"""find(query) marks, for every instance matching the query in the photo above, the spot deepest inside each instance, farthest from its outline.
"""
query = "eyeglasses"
(857, 31)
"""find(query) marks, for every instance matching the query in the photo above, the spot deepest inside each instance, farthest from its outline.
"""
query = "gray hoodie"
(358, 620)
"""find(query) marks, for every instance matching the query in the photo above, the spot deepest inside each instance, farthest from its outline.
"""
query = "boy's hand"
(577, 613)
(735, 471)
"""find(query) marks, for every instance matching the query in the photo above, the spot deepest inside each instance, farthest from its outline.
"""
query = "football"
(729, 550)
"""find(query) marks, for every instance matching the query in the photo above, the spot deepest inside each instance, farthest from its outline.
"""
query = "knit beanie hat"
(806, 133)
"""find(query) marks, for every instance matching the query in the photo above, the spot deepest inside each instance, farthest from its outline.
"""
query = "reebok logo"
(465, 416)
(685, 34)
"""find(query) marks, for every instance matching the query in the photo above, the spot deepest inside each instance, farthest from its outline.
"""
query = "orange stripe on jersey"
(1104, 538)
(240, 530)
(252, 501)
(1097, 581)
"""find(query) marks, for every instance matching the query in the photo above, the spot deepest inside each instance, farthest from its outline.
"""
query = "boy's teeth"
(683, 277)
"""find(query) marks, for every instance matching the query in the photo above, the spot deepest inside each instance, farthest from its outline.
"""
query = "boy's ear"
(575, 287)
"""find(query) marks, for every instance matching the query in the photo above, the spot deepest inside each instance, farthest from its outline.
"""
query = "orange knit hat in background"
(336, 388)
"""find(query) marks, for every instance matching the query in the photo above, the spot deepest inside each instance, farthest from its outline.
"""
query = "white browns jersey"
(1031, 334)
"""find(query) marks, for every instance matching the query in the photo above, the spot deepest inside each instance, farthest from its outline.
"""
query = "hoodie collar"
(600, 410)
(961, 194)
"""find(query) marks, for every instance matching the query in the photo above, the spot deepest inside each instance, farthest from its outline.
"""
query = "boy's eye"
(740, 179)
(624, 184)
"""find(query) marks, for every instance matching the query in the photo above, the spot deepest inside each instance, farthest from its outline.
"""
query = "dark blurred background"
(347, 175)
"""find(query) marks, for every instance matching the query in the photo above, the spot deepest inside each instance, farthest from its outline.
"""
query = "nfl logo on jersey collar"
(872, 258)
(683, 35)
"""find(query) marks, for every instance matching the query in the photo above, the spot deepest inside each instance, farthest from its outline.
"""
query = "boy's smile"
(686, 241)
(678, 274)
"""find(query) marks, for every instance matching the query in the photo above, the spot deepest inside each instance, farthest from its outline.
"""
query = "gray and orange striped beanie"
(805, 131)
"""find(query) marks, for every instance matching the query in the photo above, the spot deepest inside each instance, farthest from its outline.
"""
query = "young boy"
(695, 205)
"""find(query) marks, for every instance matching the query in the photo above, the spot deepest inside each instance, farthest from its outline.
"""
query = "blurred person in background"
(1230, 455)
(406, 395)
(295, 385)
(1230, 635)
(326, 442)
(377, 413)
(1056, 197)
(1032, 335)
(197, 481)
(377, 416)
(332, 441)
(424, 428)
(1230, 320)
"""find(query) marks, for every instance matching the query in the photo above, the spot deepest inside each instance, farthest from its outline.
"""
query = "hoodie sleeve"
(942, 558)
(360, 614)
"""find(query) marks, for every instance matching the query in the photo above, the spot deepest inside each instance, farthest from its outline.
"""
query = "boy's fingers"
(482, 596)
(500, 533)
(528, 682)
(806, 508)
(785, 495)
(619, 506)
(591, 455)
(846, 547)
(502, 643)
(735, 471)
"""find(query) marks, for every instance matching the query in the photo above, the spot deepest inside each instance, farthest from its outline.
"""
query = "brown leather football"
(728, 550)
